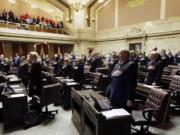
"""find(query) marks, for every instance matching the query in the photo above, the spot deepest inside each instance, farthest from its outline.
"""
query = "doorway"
(135, 47)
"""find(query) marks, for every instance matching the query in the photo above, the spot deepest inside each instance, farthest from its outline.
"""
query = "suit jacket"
(78, 73)
(155, 74)
(122, 87)
(35, 78)
(95, 64)
(67, 71)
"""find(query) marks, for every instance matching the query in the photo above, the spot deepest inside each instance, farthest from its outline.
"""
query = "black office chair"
(50, 94)
(154, 112)
(174, 87)
(95, 83)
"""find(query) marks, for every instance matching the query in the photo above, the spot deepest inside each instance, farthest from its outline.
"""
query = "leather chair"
(154, 113)
(102, 70)
(50, 94)
(95, 83)
(174, 87)
(88, 77)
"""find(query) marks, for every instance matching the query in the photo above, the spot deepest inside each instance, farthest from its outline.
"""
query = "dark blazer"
(24, 73)
(78, 73)
(67, 71)
(95, 64)
(155, 74)
(35, 78)
(177, 58)
(121, 88)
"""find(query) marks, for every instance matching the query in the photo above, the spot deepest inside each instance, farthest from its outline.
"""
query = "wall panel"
(172, 8)
(106, 16)
(150, 10)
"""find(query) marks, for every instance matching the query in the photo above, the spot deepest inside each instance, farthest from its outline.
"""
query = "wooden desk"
(65, 96)
(89, 121)
(14, 106)
(142, 90)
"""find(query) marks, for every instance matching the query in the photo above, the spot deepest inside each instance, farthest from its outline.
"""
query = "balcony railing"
(21, 26)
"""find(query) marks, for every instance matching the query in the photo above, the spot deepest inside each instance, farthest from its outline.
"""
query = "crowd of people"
(122, 69)
(38, 21)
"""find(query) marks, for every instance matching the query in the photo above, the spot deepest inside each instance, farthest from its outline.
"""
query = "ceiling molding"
(62, 3)
(88, 11)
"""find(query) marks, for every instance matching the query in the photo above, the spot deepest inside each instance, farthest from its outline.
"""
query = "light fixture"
(101, 1)
(69, 19)
(12, 2)
(93, 19)
(77, 4)
(51, 10)
(34, 6)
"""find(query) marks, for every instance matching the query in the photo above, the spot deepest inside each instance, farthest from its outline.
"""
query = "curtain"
(1, 48)
(45, 48)
(24, 49)
(15, 47)
(55, 49)
(38, 49)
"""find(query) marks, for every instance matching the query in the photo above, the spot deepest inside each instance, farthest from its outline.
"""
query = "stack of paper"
(115, 113)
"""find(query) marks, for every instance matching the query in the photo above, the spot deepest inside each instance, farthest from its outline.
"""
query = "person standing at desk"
(35, 75)
(123, 82)
(155, 69)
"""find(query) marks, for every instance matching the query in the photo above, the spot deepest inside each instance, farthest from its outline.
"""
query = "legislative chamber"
(89, 67)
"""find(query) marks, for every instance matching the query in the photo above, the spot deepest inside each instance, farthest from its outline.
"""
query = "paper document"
(150, 86)
(17, 95)
(72, 83)
(18, 90)
(69, 80)
(115, 113)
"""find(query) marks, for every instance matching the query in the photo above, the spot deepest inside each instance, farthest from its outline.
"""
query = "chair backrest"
(97, 79)
(50, 94)
(86, 69)
(158, 99)
(174, 72)
(103, 70)
(175, 83)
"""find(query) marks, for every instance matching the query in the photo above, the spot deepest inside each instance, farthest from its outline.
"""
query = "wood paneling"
(149, 11)
(172, 8)
(106, 16)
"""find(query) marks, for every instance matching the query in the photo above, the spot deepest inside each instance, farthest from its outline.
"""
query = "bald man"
(123, 82)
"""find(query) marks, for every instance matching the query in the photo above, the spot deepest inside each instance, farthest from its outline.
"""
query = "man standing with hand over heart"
(123, 82)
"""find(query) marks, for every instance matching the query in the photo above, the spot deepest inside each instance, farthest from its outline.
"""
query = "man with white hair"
(35, 74)
(155, 69)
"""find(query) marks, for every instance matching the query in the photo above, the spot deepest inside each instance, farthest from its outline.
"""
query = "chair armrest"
(148, 113)
(101, 93)
(176, 92)
(36, 99)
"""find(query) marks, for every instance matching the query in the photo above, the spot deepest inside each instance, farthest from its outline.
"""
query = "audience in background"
(27, 19)
(72, 66)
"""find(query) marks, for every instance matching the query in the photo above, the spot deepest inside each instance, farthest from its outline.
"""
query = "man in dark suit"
(96, 62)
(123, 82)
(78, 71)
(35, 75)
(177, 58)
(155, 69)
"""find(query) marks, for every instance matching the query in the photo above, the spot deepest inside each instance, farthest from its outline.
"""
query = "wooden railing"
(11, 25)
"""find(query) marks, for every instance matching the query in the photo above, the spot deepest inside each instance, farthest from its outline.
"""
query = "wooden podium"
(89, 121)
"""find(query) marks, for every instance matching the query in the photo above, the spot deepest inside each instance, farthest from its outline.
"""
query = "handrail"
(29, 27)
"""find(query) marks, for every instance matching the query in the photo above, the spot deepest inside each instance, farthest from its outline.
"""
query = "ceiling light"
(12, 2)
(34, 6)
(51, 10)
(101, 1)
(77, 4)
